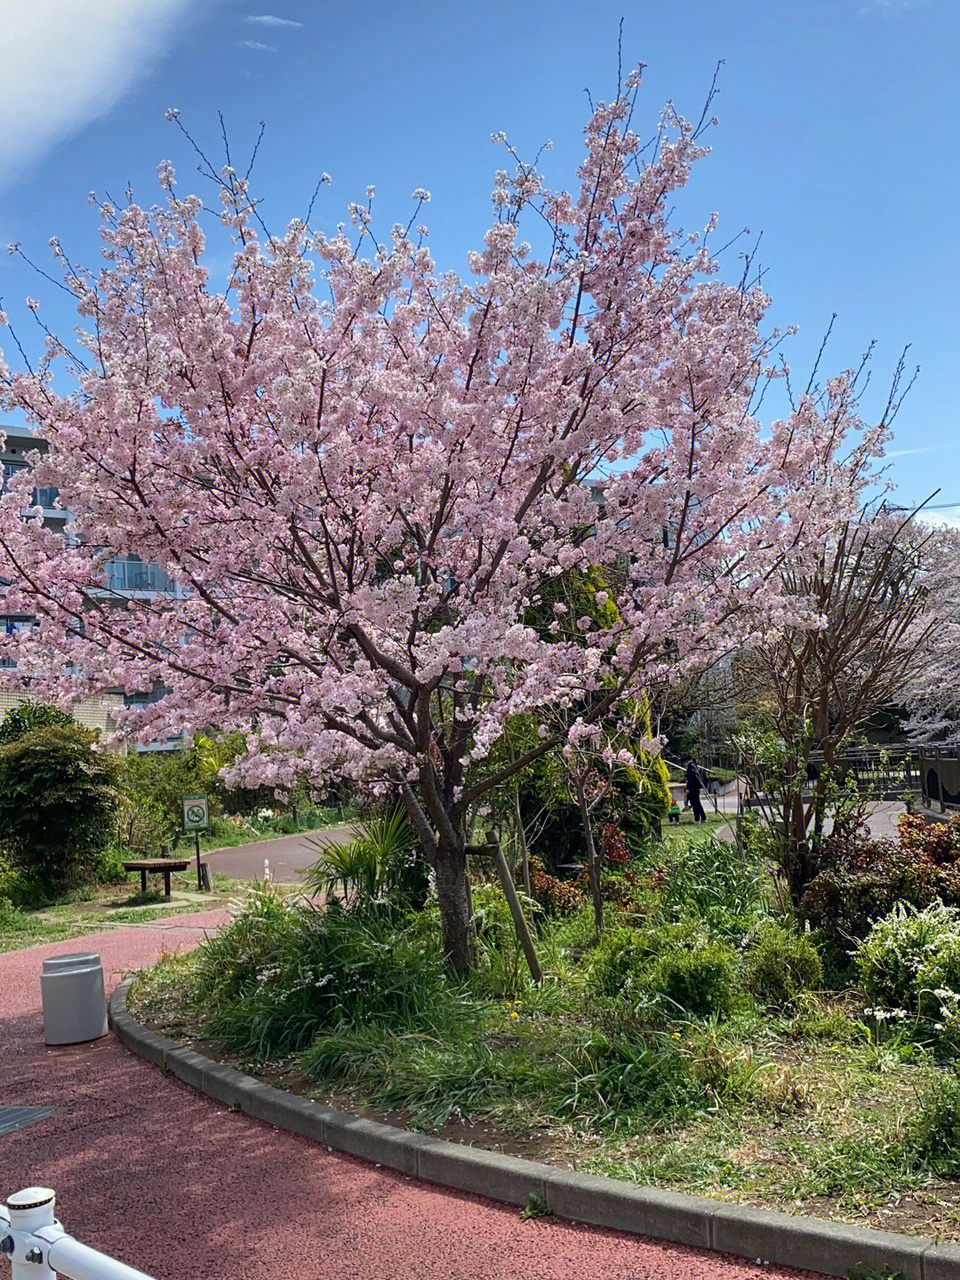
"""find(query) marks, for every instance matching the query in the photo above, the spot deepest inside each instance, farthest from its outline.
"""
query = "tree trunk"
(456, 918)
(593, 870)
(522, 842)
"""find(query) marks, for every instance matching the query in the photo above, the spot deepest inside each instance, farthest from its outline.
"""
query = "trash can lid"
(72, 961)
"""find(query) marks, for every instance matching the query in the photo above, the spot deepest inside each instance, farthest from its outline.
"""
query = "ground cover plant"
(695, 1042)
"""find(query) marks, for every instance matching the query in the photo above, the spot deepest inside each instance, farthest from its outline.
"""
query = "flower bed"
(693, 1045)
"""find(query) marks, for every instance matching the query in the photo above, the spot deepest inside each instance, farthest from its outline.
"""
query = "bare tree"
(869, 584)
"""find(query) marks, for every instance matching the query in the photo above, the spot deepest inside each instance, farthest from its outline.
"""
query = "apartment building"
(124, 578)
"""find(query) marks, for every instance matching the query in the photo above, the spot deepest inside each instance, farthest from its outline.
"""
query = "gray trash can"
(74, 1004)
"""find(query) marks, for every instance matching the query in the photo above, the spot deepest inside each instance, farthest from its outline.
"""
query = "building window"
(12, 625)
(132, 574)
(10, 469)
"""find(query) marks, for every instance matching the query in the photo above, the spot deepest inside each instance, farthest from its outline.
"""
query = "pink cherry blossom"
(358, 470)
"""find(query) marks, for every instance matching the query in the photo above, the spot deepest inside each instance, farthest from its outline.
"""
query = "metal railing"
(135, 575)
(878, 773)
(40, 1249)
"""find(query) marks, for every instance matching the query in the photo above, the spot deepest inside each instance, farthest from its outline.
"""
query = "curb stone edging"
(814, 1244)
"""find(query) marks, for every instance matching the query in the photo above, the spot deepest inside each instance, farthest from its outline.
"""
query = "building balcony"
(130, 576)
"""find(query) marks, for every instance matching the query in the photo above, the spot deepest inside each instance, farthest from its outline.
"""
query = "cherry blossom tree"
(360, 473)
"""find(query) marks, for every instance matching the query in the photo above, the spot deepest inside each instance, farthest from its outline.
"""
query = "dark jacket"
(695, 783)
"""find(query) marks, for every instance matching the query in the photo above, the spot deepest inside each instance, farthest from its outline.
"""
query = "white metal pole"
(76, 1260)
(40, 1249)
(27, 1211)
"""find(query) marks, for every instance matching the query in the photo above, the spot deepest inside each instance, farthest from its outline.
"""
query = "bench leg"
(143, 881)
(166, 885)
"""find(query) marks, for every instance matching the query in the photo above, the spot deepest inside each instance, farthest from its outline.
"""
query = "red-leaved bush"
(556, 897)
(613, 847)
(863, 878)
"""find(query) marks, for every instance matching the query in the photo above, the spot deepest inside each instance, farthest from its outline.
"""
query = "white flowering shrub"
(909, 967)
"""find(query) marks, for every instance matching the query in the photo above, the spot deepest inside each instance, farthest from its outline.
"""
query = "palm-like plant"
(365, 867)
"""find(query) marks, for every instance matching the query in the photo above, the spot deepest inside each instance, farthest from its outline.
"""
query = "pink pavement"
(170, 1182)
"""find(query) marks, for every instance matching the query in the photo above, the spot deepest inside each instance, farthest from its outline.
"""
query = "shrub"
(863, 879)
(279, 975)
(108, 865)
(938, 840)
(555, 897)
(383, 858)
(57, 802)
(613, 847)
(671, 967)
(699, 980)
(349, 873)
(779, 964)
(29, 716)
(144, 826)
(619, 955)
(621, 887)
(161, 779)
(933, 1138)
(12, 919)
(910, 961)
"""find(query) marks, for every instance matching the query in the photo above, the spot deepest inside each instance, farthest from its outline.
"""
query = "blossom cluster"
(358, 473)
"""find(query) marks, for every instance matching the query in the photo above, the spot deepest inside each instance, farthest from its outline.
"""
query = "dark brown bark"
(456, 918)
(522, 843)
(593, 870)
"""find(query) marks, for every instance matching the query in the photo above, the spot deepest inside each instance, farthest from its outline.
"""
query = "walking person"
(695, 785)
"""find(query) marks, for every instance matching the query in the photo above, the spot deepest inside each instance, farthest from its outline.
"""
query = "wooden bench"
(153, 865)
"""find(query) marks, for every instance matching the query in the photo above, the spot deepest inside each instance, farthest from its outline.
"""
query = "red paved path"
(150, 1171)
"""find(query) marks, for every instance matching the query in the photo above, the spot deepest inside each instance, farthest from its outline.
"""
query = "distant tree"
(931, 689)
(874, 582)
(29, 716)
(57, 803)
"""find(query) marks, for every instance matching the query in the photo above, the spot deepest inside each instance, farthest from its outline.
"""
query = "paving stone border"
(815, 1244)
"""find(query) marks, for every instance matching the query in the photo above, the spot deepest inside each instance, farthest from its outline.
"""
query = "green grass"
(817, 1121)
(690, 833)
(103, 907)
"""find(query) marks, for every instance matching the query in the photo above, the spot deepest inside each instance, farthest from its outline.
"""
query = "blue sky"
(836, 140)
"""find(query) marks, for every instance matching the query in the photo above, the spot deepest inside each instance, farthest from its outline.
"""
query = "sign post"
(196, 818)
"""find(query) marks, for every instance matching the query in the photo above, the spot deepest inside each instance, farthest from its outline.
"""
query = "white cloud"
(68, 62)
(912, 453)
(255, 44)
(270, 20)
(941, 519)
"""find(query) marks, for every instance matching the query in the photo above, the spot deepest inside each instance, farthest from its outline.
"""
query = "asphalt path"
(288, 856)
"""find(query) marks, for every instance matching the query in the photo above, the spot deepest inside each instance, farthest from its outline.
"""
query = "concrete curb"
(814, 1244)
